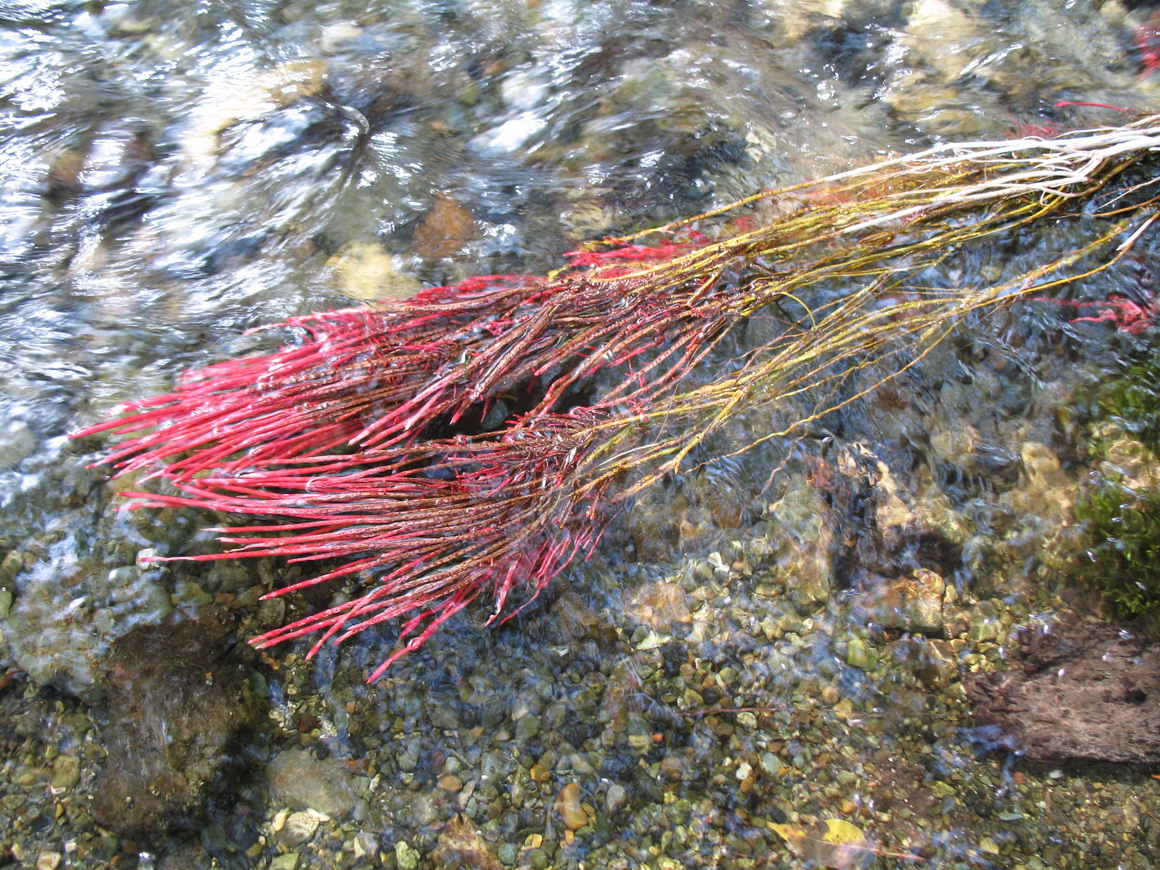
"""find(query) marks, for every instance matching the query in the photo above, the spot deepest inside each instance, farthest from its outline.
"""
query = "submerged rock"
(300, 780)
(911, 604)
(659, 606)
(573, 813)
(805, 556)
(69, 610)
(178, 713)
(462, 845)
(445, 229)
(1087, 693)
(367, 270)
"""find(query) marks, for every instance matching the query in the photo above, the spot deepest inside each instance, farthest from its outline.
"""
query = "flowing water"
(174, 174)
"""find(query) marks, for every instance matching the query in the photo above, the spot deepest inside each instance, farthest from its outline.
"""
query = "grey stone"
(300, 780)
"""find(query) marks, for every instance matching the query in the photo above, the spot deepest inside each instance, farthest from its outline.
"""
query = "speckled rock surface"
(1085, 693)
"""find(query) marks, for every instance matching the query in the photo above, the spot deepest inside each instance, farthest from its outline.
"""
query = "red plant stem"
(501, 513)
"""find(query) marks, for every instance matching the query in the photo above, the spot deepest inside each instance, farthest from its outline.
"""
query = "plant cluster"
(1124, 563)
(1133, 398)
(1122, 511)
(475, 439)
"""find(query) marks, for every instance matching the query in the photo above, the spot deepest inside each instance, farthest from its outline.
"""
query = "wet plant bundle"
(473, 440)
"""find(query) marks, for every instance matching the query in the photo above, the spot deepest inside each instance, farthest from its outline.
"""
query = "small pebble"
(569, 808)
(66, 772)
(616, 798)
(299, 827)
(406, 858)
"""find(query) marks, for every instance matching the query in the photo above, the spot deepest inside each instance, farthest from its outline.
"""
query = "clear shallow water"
(176, 174)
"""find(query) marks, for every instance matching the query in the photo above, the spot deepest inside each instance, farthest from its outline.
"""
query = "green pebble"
(982, 630)
(66, 772)
(406, 858)
(507, 853)
(859, 655)
(27, 775)
(527, 727)
(640, 742)
(191, 593)
(771, 765)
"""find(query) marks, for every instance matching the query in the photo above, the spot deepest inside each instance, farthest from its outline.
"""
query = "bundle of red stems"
(383, 437)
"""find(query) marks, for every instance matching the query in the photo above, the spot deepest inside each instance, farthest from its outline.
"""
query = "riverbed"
(747, 656)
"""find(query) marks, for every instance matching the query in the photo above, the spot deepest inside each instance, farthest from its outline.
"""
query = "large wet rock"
(70, 607)
(179, 712)
(1085, 693)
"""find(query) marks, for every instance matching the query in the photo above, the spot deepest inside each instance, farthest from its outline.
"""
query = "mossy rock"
(1125, 552)
(1133, 399)
(1122, 510)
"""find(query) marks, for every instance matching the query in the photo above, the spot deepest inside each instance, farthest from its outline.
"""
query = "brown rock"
(462, 845)
(912, 603)
(300, 780)
(572, 812)
(1085, 693)
(178, 713)
(444, 230)
(659, 606)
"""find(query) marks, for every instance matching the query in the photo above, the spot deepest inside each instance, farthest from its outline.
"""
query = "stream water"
(174, 174)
